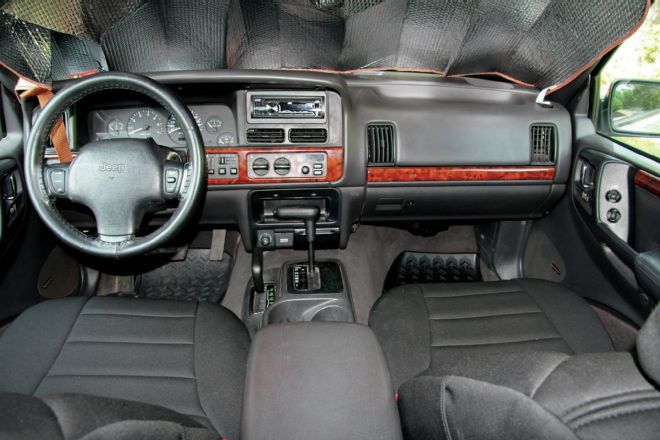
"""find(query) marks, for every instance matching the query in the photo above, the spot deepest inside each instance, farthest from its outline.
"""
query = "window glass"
(631, 115)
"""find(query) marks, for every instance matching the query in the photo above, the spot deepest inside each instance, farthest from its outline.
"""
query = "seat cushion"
(188, 357)
(451, 329)
(586, 396)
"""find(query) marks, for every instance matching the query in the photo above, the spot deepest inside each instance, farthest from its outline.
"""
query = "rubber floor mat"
(425, 267)
(196, 278)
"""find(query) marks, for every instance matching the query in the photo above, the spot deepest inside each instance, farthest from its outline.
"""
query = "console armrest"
(318, 380)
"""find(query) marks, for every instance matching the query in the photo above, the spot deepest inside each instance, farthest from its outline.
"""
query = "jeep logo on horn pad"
(112, 167)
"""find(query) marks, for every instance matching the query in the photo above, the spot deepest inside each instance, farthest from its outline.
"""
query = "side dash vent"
(308, 135)
(543, 143)
(265, 135)
(381, 144)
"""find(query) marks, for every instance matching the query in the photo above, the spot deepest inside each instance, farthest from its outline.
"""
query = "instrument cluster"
(215, 122)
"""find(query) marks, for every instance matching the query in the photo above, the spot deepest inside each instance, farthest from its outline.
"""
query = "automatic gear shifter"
(309, 214)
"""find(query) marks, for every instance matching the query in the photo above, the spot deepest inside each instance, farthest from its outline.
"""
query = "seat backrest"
(84, 417)
(598, 395)
(648, 346)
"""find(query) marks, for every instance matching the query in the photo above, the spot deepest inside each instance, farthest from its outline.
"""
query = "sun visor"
(542, 44)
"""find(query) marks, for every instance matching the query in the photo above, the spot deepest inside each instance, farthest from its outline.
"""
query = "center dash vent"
(543, 143)
(381, 144)
(308, 135)
(265, 135)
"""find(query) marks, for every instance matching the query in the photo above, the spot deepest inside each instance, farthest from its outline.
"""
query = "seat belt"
(58, 133)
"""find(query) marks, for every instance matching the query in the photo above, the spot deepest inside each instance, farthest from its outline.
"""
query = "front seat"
(188, 357)
(466, 328)
(605, 396)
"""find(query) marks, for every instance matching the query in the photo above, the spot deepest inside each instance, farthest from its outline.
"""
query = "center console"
(299, 290)
(318, 380)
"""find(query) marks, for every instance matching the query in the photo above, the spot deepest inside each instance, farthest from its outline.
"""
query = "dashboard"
(364, 148)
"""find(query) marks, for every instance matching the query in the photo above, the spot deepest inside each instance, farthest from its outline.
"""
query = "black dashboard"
(387, 147)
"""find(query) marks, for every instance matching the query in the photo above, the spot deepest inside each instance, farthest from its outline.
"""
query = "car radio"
(289, 106)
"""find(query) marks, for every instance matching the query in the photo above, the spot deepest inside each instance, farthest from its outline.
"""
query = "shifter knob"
(309, 214)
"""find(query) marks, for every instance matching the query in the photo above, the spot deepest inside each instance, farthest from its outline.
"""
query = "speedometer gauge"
(144, 123)
(174, 129)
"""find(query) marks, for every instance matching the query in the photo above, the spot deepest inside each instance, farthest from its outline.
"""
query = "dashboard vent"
(265, 135)
(381, 144)
(308, 135)
(544, 143)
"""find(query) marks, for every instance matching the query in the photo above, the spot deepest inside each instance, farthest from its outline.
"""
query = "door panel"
(615, 192)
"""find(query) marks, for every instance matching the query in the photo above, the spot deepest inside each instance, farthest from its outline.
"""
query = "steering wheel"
(119, 180)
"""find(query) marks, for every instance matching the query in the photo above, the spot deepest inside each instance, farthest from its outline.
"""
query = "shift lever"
(309, 214)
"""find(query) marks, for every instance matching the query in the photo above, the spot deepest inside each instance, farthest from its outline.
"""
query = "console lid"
(318, 380)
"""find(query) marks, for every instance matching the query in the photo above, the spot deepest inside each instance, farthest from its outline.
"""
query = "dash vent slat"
(543, 139)
(381, 144)
(265, 135)
(308, 135)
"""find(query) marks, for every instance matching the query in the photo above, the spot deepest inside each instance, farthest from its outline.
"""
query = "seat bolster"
(451, 407)
(648, 346)
(80, 414)
(400, 319)
(222, 344)
(571, 316)
(26, 418)
(31, 344)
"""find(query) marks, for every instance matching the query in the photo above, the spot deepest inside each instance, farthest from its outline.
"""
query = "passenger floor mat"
(425, 267)
(196, 278)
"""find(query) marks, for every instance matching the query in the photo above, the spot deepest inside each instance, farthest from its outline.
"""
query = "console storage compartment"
(320, 380)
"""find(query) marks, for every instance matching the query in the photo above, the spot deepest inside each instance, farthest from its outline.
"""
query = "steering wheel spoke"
(56, 179)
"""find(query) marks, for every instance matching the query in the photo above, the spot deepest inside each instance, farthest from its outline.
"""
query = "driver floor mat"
(196, 278)
(427, 267)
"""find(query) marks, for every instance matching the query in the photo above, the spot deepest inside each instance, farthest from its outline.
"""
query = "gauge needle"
(145, 128)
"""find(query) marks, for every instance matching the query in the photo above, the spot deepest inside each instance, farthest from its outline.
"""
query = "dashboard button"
(305, 170)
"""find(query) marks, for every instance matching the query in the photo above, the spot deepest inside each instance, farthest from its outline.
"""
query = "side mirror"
(634, 107)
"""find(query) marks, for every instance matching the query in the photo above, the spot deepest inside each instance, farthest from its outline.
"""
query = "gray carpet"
(370, 253)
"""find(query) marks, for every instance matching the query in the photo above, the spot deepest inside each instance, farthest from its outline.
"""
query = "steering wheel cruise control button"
(58, 181)
(171, 180)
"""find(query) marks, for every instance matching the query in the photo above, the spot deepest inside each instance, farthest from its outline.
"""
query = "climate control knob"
(260, 166)
(282, 166)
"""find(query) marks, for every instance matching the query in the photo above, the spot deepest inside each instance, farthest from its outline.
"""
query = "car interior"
(329, 219)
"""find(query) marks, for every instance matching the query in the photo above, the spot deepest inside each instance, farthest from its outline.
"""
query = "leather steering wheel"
(119, 180)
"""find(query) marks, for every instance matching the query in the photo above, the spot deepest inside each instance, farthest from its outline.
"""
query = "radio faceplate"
(287, 165)
(286, 106)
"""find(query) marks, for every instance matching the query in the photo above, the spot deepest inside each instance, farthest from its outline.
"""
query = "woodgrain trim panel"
(648, 181)
(442, 174)
(335, 164)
